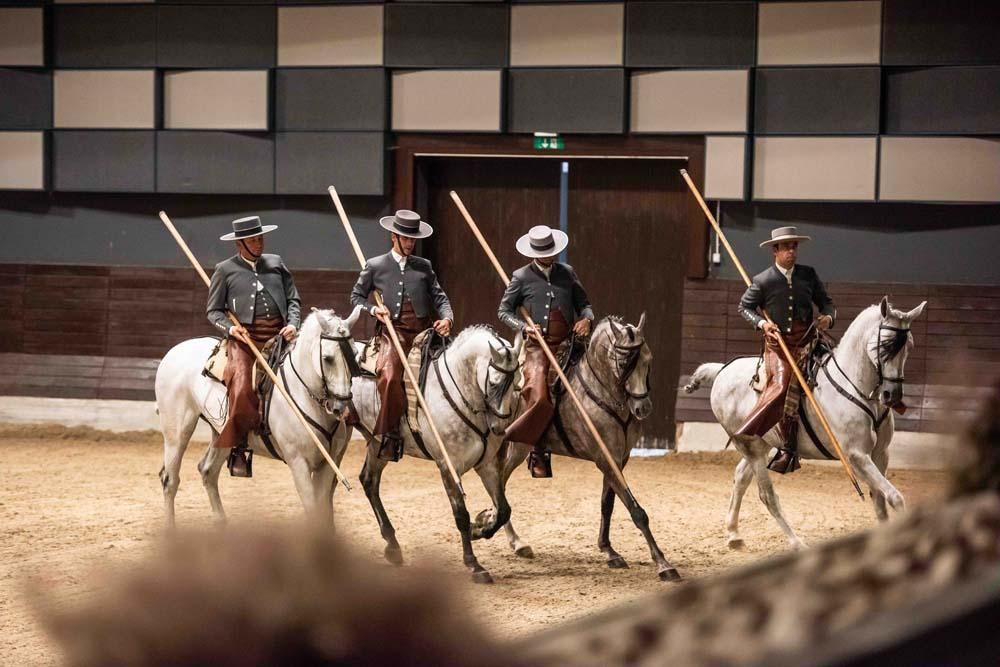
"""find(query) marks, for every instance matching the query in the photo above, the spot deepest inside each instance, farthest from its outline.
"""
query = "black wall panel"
(817, 100)
(690, 34)
(25, 99)
(217, 37)
(956, 32)
(943, 100)
(330, 99)
(214, 162)
(104, 36)
(566, 100)
(446, 35)
(309, 162)
(104, 161)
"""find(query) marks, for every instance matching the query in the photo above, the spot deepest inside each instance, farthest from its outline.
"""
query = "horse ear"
(617, 329)
(314, 309)
(642, 321)
(350, 321)
(915, 313)
(883, 307)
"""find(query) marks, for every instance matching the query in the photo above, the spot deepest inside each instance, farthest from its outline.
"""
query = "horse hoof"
(394, 556)
(618, 563)
(736, 544)
(482, 577)
(670, 574)
(524, 552)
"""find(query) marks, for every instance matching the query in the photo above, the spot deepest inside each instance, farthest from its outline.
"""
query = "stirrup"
(240, 461)
(540, 464)
(391, 448)
(784, 461)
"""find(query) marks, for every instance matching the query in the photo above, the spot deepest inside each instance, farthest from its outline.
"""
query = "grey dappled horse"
(316, 375)
(856, 389)
(612, 381)
(471, 391)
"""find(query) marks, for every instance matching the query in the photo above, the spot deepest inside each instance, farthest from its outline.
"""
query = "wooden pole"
(781, 340)
(541, 340)
(260, 358)
(395, 341)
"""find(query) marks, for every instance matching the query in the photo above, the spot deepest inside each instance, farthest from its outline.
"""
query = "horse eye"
(327, 359)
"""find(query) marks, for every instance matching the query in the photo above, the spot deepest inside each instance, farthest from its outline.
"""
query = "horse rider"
(259, 290)
(786, 292)
(411, 295)
(552, 294)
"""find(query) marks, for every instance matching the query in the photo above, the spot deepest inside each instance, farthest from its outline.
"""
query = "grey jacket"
(770, 292)
(530, 288)
(417, 282)
(234, 288)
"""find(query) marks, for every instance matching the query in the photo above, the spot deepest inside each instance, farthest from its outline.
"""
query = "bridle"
(347, 351)
(882, 378)
(503, 388)
(626, 361)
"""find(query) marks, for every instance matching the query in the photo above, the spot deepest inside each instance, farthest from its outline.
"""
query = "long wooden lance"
(553, 362)
(260, 358)
(781, 341)
(394, 336)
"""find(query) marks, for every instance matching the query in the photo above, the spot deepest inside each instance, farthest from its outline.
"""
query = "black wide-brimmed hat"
(407, 223)
(541, 242)
(782, 234)
(245, 228)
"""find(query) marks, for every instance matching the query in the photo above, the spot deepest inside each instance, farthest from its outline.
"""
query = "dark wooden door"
(627, 242)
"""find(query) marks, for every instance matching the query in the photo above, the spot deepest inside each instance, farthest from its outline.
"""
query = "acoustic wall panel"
(959, 169)
(214, 162)
(817, 100)
(571, 34)
(446, 35)
(22, 36)
(315, 99)
(725, 167)
(103, 161)
(216, 37)
(815, 168)
(105, 98)
(308, 162)
(107, 2)
(446, 101)
(22, 161)
(690, 34)
(104, 36)
(818, 33)
(957, 32)
(25, 99)
(336, 35)
(689, 101)
(567, 100)
(943, 100)
(215, 100)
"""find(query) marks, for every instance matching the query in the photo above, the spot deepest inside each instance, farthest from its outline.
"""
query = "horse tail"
(704, 374)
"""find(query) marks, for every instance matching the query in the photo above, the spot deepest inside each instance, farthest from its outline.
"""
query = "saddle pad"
(215, 367)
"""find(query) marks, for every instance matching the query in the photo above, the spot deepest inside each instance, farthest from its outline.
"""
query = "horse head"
(326, 344)
(626, 361)
(889, 345)
(500, 380)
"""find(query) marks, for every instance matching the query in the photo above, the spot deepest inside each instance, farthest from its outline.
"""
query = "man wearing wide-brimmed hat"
(787, 292)
(258, 289)
(412, 298)
(558, 304)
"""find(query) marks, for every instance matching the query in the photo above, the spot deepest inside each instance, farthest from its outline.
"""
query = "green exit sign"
(549, 143)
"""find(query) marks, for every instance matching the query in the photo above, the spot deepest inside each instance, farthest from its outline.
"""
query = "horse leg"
(665, 570)
(324, 481)
(371, 479)
(479, 574)
(880, 457)
(765, 489)
(741, 481)
(209, 467)
(177, 434)
(512, 458)
(303, 478)
(488, 522)
(875, 479)
(615, 561)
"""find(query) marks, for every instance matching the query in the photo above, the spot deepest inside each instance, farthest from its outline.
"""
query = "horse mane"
(474, 330)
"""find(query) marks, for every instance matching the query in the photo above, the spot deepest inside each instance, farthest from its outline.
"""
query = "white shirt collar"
(399, 259)
(786, 273)
(544, 269)
(251, 262)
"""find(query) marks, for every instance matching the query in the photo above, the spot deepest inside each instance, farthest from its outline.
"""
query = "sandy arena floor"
(73, 498)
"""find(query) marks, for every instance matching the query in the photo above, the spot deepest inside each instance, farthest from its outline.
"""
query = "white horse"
(317, 376)
(857, 388)
(472, 393)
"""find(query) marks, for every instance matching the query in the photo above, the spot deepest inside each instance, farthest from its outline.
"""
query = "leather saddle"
(427, 347)
(568, 355)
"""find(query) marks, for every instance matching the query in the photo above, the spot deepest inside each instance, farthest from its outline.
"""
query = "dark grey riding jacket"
(530, 288)
(234, 288)
(416, 282)
(783, 304)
